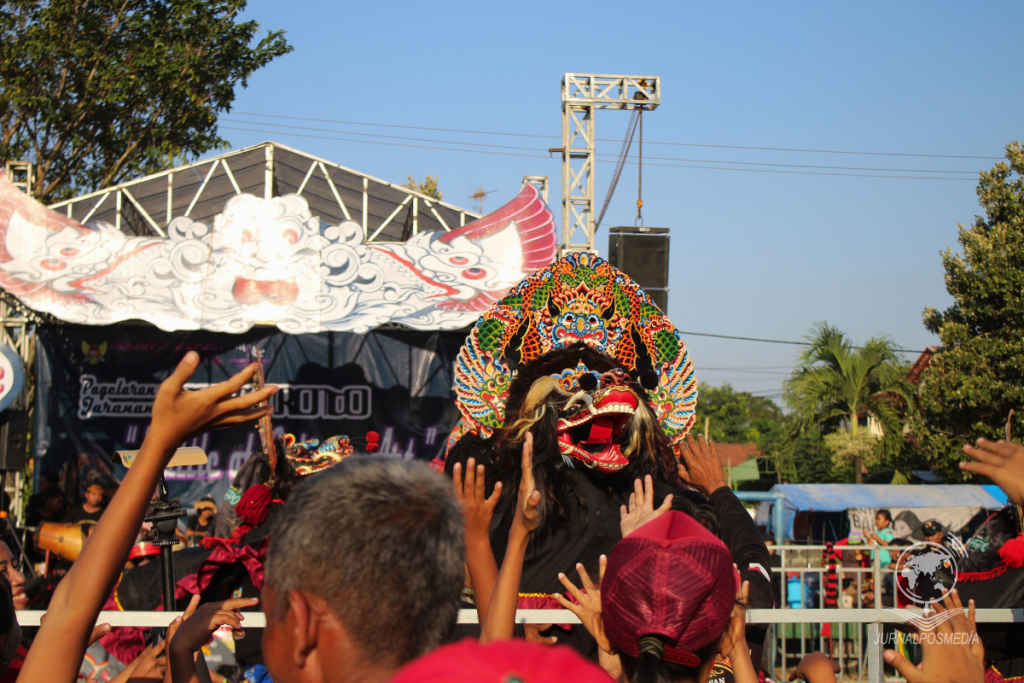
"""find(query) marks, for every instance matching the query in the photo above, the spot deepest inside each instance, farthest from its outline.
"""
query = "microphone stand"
(164, 515)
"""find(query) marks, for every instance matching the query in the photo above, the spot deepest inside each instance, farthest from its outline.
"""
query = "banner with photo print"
(95, 387)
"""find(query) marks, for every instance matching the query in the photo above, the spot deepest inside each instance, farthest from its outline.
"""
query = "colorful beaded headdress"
(579, 298)
(310, 457)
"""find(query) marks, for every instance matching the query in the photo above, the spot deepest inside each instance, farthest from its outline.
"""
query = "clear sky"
(757, 254)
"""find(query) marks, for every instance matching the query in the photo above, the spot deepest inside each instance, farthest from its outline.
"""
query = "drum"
(63, 539)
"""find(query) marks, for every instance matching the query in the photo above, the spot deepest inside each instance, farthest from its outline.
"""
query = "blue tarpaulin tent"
(842, 497)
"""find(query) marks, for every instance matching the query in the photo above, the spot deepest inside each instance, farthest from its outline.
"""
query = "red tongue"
(600, 431)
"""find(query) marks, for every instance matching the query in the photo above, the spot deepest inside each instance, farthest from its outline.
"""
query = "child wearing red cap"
(667, 605)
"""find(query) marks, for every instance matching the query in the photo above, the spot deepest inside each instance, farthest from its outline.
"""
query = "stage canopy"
(267, 235)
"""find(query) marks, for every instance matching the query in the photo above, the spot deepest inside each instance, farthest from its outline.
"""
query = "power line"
(539, 156)
(394, 137)
(389, 144)
(765, 170)
(677, 144)
(752, 372)
(392, 125)
(620, 156)
(766, 341)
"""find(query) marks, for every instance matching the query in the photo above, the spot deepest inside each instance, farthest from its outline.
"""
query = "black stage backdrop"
(95, 386)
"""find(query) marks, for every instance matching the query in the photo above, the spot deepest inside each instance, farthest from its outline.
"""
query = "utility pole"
(582, 95)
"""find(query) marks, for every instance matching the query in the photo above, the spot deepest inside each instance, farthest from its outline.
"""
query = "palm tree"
(836, 383)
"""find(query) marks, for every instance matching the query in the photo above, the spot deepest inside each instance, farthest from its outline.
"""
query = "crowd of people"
(368, 561)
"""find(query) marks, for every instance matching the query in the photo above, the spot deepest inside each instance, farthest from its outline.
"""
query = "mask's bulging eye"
(587, 381)
(69, 251)
(474, 273)
(593, 320)
(458, 260)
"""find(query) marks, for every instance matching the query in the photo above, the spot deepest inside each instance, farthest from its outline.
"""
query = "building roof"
(733, 454)
(919, 366)
(145, 206)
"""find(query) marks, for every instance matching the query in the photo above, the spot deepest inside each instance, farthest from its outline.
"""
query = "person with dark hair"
(364, 572)
(10, 569)
(666, 605)
(701, 467)
(884, 535)
(48, 481)
(201, 524)
(177, 416)
(12, 654)
(90, 509)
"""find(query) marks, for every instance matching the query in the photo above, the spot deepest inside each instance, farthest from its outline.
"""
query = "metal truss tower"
(582, 94)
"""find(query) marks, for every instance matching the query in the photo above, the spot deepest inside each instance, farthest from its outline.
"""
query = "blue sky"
(753, 254)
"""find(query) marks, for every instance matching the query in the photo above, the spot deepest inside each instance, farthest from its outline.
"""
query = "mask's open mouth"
(592, 434)
(276, 292)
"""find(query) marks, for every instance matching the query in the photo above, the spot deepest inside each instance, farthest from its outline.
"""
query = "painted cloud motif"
(268, 261)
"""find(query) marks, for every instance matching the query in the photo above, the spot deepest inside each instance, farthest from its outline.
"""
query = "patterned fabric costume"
(580, 356)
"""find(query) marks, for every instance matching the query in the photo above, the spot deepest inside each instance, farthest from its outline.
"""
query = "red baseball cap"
(670, 578)
(506, 661)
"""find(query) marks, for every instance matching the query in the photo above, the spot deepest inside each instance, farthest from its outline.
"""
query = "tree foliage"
(427, 187)
(96, 92)
(977, 376)
(738, 416)
(835, 384)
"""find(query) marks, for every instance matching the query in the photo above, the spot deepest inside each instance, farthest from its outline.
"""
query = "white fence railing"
(870, 626)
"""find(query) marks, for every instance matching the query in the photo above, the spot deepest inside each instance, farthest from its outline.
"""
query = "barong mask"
(580, 300)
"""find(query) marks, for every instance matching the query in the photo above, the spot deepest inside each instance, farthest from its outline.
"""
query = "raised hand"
(952, 652)
(588, 604)
(641, 507)
(179, 415)
(702, 468)
(533, 634)
(815, 667)
(196, 629)
(149, 667)
(527, 517)
(499, 622)
(98, 631)
(477, 509)
(1000, 461)
(58, 649)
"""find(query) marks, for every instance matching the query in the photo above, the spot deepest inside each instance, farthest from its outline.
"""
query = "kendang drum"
(65, 540)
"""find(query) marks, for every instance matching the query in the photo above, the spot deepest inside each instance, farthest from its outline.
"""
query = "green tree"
(737, 416)
(977, 376)
(801, 457)
(94, 93)
(836, 384)
(427, 187)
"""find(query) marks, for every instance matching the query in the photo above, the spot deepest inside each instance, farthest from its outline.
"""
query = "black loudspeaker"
(642, 254)
(13, 440)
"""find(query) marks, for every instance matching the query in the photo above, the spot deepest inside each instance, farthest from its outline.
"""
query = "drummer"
(201, 524)
(91, 509)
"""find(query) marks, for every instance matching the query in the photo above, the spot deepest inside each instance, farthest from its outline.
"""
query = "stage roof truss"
(385, 211)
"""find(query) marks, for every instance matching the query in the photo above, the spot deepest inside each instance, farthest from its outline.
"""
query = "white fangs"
(586, 458)
(581, 396)
(618, 408)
